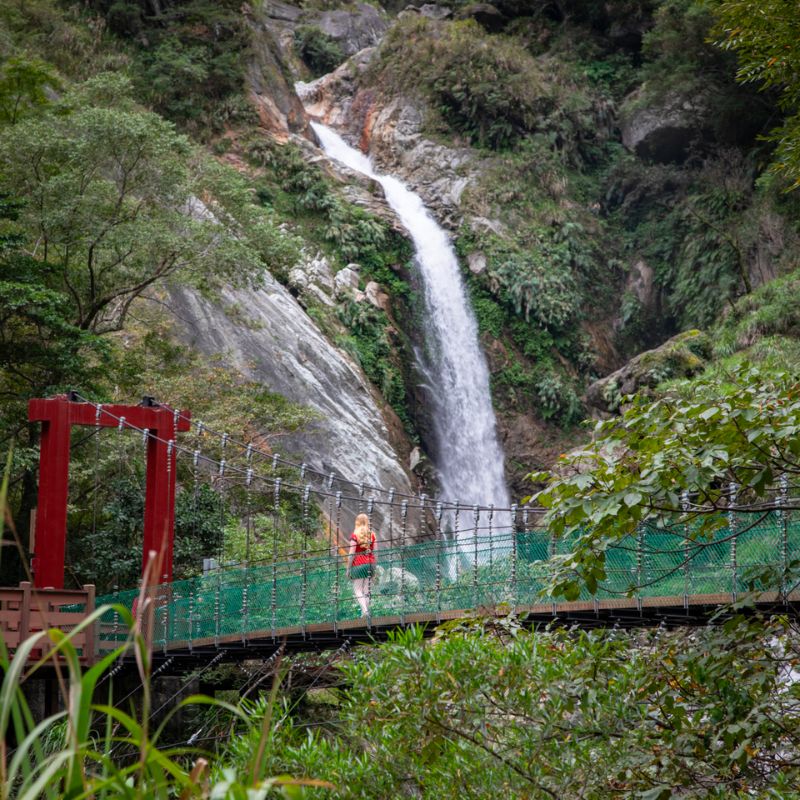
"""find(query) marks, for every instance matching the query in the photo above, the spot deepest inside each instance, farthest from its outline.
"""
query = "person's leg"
(368, 592)
(360, 591)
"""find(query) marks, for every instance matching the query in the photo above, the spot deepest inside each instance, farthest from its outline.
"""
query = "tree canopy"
(765, 34)
(117, 202)
(741, 429)
(489, 710)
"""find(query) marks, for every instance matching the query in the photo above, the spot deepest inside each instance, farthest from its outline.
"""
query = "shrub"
(488, 88)
(191, 58)
(538, 282)
(772, 309)
(369, 342)
(320, 53)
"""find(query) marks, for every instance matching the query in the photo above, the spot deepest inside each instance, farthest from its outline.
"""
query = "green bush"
(190, 59)
(770, 310)
(488, 88)
(370, 343)
(124, 18)
(320, 53)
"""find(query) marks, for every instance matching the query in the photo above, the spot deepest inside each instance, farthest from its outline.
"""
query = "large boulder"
(356, 28)
(345, 282)
(313, 278)
(285, 12)
(681, 356)
(434, 11)
(665, 128)
(272, 340)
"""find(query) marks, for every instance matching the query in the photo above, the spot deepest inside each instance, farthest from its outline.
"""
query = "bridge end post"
(50, 530)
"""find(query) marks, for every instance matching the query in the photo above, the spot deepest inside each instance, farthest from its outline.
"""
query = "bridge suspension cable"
(330, 478)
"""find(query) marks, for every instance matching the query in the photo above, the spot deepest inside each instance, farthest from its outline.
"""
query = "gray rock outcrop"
(345, 282)
(434, 11)
(681, 356)
(270, 82)
(354, 29)
(664, 129)
(392, 136)
(280, 346)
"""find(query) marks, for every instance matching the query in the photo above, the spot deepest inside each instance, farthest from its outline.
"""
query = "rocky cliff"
(271, 339)
(600, 200)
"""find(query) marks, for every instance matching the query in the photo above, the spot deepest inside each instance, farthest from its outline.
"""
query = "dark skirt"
(362, 571)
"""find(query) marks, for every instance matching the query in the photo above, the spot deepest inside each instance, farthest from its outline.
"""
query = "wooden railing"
(25, 610)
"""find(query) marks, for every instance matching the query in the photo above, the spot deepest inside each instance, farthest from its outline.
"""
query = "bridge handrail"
(435, 576)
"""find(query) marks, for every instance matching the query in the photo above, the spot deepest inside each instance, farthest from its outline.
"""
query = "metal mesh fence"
(477, 571)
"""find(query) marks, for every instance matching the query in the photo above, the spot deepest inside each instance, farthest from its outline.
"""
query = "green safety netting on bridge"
(476, 572)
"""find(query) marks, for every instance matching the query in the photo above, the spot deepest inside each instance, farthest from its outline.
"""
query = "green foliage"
(94, 749)
(112, 205)
(109, 554)
(22, 87)
(68, 37)
(765, 36)
(488, 88)
(770, 310)
(740, 428)
(189, 59)
(677, 44)
(490, 315)
(320, 52)
(547, 388)
(536, 380)
(370, 343)
(697, 232)
(487, 709)
(295, 187)
(41, 349)
(42, 352)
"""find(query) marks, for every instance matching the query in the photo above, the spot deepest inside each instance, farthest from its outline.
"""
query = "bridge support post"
(58, 415)
(50, 540)
(159, 502)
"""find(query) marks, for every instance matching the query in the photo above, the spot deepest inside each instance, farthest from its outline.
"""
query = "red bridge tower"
(58, 415)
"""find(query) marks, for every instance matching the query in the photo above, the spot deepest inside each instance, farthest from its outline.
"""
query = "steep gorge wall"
(603, 206)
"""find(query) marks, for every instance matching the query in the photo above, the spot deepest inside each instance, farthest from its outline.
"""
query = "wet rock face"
(280, 346)
(392, 136)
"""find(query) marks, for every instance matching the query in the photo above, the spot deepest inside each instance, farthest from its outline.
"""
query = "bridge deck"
(624, 613)
(659, 575)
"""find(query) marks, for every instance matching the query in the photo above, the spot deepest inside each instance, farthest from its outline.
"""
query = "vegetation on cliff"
(627, 194)
(596, 244)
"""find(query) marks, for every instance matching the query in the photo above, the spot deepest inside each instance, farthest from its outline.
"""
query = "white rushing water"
(468, 454)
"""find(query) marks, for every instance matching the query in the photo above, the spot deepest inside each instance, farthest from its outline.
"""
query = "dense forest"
(621, 182)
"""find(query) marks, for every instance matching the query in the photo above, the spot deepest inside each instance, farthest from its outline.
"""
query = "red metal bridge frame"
(58, 415)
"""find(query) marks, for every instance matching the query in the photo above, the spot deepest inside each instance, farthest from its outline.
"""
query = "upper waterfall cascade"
(469, 458)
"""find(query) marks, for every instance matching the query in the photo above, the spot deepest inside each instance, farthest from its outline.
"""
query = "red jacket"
(364, 555)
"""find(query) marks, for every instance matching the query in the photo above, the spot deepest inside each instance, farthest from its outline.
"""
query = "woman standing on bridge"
(361, 561)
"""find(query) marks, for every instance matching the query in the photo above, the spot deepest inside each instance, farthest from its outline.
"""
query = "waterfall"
(468, 455)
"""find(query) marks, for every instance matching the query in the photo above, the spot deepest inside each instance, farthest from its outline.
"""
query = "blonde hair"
(362, 532)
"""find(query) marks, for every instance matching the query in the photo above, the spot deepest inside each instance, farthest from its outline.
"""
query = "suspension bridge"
(438, 559)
